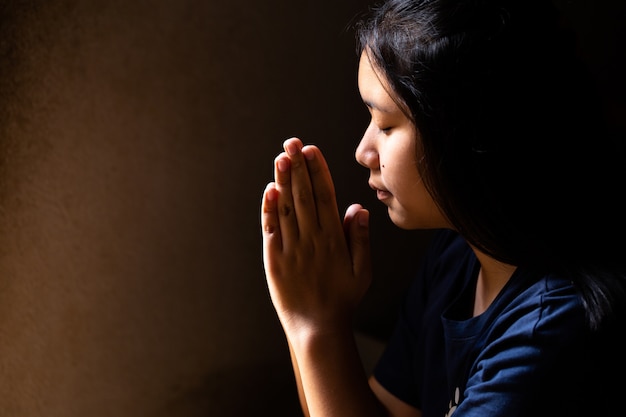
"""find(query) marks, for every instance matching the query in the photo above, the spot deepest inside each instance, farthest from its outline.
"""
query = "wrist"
(303, 333)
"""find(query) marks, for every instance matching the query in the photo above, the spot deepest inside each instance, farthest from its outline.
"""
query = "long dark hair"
(513, 146)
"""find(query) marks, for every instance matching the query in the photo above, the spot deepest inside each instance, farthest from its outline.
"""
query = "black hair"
(513, 148)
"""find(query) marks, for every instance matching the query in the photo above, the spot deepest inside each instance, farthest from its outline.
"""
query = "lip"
(381, 193)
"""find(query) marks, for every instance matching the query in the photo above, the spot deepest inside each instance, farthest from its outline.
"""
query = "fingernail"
(309, 154)
(270, 193)
(363, 218)
(283, 165)
(291, 149)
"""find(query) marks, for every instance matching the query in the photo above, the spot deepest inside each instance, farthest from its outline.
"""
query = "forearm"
(330, 375)
(296, 371)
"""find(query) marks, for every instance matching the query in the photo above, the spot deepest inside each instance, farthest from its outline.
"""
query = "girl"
(484, 126)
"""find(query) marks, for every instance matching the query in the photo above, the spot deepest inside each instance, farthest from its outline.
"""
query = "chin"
(407, 223)
(400, 221)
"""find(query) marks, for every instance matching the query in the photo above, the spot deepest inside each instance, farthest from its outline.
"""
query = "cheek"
(398, 167)
(396, 176)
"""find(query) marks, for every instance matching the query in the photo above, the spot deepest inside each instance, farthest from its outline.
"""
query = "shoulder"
(538, 353)
(543, 308)
(532, 319)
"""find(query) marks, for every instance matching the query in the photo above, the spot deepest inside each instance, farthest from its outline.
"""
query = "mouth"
(381, 193)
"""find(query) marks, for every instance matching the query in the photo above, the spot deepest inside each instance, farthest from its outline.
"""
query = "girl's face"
(388, 149)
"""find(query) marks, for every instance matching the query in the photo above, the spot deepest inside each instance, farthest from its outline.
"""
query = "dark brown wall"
(137, 137)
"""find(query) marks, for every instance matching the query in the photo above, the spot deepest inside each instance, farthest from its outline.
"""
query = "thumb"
(356, 226)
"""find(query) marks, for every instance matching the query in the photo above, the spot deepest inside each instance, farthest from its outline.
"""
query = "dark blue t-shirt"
(529, 354)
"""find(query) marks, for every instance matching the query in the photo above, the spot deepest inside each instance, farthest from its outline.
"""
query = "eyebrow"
(381, 109)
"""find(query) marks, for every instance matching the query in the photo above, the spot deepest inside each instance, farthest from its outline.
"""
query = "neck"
(492, 277)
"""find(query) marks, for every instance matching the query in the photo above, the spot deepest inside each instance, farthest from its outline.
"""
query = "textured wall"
(136, 139)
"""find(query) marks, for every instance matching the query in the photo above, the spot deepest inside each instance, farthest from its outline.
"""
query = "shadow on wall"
(137, 137)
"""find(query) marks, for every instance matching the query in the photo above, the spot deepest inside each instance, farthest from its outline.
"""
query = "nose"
(366, 153)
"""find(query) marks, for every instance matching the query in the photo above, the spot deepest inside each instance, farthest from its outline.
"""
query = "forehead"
(373, 87)
(376, 91)
(369, 76)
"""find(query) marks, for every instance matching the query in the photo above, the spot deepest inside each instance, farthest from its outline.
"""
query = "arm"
(392, 404)
(332, 379)
(317, 270)
(296, 371)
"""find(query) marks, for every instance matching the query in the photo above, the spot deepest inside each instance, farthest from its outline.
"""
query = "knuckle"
(301, 196)
(285, 210)
(296, 162)
(269, 228)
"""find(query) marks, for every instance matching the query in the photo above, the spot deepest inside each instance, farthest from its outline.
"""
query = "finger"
(323, 187)
(356, 223)
(348, 217)
(285, 209)
(301, 188)
(270, 225)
